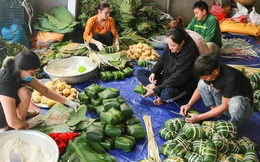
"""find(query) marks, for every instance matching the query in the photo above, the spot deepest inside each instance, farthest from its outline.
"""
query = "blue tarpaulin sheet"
(159, 114)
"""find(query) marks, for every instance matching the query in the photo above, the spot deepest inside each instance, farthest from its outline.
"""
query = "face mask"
(28, 78)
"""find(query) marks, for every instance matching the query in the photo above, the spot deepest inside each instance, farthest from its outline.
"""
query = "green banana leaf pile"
(60, 22)
(8, 48)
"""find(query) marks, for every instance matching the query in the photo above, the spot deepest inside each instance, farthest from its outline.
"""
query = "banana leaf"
(234, 148)
(210, 152)
(121, 99)
(221, 142)
(93, 90)
(167, 148)
(226, 128)
(136, 130)
(237, 157)
(82, 150)
(126, 110)
(193, 157)
(99, 109)
(125, 143)
(69, 126)
(174, 124)
(112, 116)
(114, 130)
(250, 156)
(192, 130)
(109, 105)
(198, 145)
(108, 93)
(246, 144)
(132, 120)
(167, 134)
(62, 14)
(82, 125)
(106, 76)
(95, 132)
(108, 143)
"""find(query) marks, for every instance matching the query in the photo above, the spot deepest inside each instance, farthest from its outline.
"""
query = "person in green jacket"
(207, 26)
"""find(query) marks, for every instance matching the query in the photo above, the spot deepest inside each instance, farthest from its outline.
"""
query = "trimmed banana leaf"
(95, 102)
(198, 145)
(193, 130)
(140, 89)
(93, 90)
(132, 120)
(210, 152)
(174, 124)
(226, 128)
(95, 132)
(237, 157)
(250, 156)
(70, 125)
(118, 75)
(126, 110)
(84, 99)
(121, 99)
(128, 71)
(108, 143)
(136, 130)
(114, 130)
(209, 130)
(112, 116)
(167, 134)
(125, 143)
(192, 157)
(181, 147)
(82, 150)
(111, 104)
(108, 93)
(115, 56)
(221, 142)
(110, 100)
(106, 76)
(173, 158)
(100, 109)
(82, 125)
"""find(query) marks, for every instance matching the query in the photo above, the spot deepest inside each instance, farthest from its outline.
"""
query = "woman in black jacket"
(172, 76)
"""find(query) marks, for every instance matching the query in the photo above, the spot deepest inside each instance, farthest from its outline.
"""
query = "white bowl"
(48, 146)
(67, 69)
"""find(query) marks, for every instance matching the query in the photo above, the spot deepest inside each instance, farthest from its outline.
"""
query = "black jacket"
(175, 69)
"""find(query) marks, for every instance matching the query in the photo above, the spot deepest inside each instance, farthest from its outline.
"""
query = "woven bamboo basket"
(245, 2)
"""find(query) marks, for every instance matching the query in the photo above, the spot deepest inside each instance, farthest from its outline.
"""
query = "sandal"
(31, 113)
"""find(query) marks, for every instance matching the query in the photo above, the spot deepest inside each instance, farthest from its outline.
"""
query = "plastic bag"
(254, 17)
(241, 14)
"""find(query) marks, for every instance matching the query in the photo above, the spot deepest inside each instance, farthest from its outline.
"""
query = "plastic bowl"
(67, 69)
(48, 146)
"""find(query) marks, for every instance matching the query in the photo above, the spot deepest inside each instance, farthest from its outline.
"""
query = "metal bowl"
(67, 69)
(48, 146)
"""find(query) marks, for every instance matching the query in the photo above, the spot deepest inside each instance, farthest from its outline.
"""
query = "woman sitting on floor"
(172, 77)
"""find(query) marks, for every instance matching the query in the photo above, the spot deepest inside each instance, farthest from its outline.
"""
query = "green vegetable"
(140, 89)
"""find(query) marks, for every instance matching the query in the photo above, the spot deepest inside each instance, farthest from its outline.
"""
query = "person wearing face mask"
(15, 97)
(100, 29)
(222, 88)
(171, 77)
(207, 25)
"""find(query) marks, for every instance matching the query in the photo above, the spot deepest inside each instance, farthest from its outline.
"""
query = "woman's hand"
(100, 46)
(117, 46)
(149, 92)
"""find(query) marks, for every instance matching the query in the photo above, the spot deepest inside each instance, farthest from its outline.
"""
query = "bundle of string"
(153, 151)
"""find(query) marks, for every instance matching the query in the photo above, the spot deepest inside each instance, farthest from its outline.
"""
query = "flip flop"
(31, 113)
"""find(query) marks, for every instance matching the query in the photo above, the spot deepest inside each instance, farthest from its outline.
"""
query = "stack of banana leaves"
(9, 49)
(87, 10)
(61, 21)
(193, 142)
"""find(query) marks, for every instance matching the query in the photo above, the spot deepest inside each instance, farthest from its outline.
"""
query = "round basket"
(245, 2)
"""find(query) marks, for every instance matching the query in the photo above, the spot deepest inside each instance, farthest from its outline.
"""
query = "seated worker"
(171, 77)
(222, 88)
(207, 26)
(15, 97)
(198, 39)
(100, 29)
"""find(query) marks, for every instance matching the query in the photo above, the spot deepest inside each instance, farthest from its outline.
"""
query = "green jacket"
(208, 29)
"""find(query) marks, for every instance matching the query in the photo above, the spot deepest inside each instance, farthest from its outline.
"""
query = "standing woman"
(101, 29)
(172, 76)
(17, 74)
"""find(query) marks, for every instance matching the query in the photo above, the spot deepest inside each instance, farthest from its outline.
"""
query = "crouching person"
(222, 88)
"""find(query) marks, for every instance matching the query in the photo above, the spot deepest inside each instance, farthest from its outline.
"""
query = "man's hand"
(72, 104)
(194, 118)
(35, 121)
(185, 109)
(100, 46)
